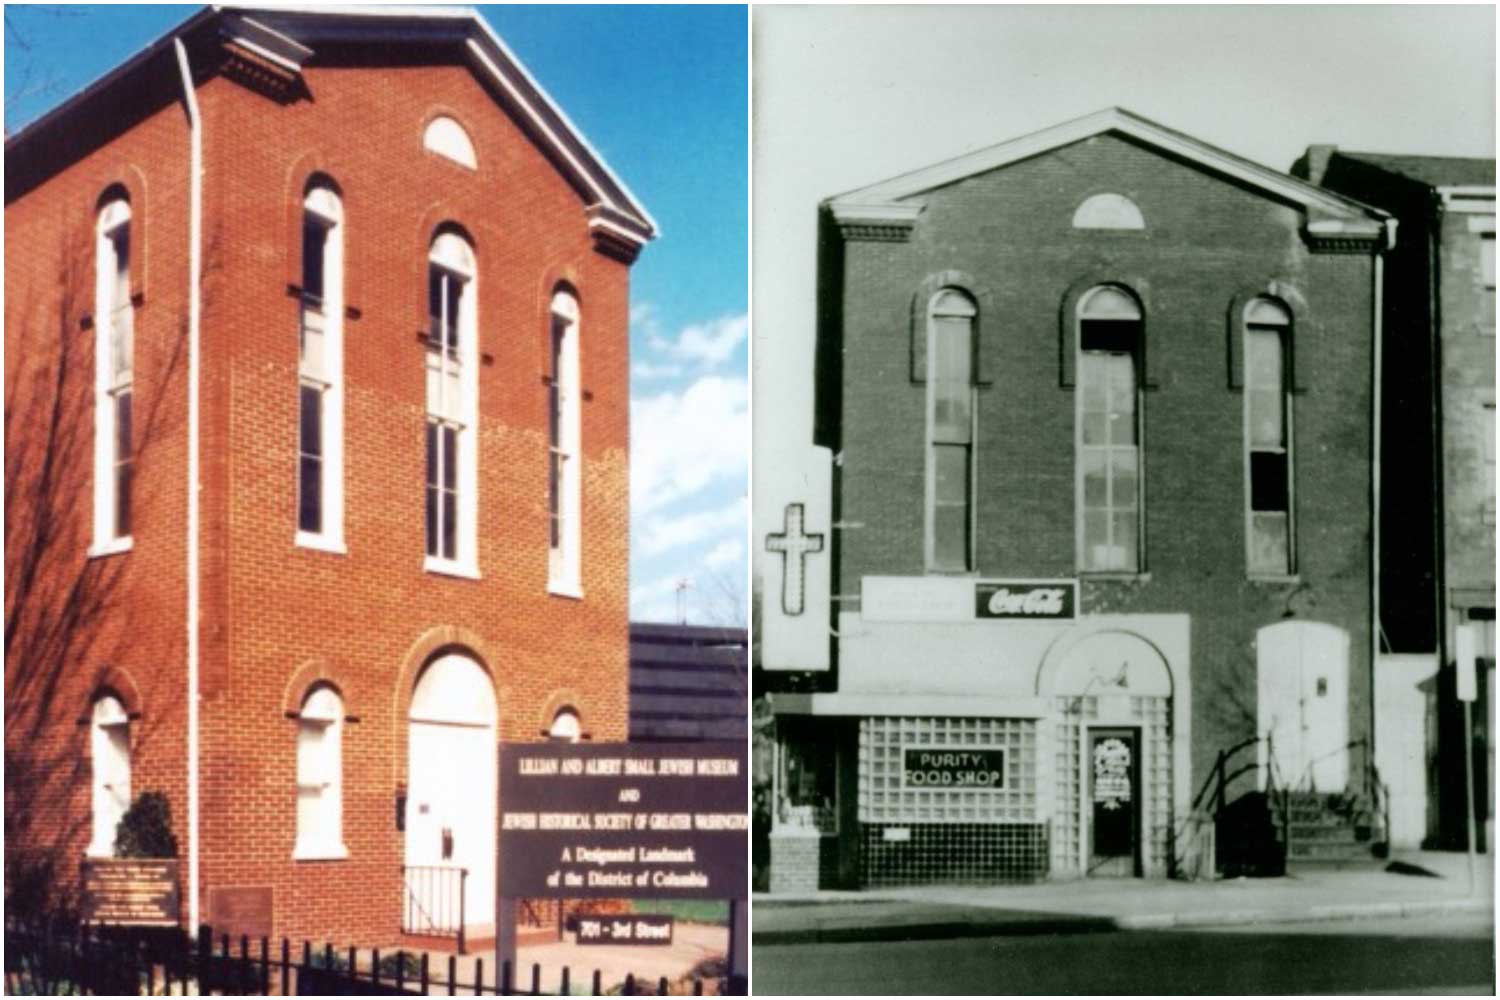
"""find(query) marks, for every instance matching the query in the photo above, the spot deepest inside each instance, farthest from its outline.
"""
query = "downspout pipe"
(1377, 321)
(195, 267)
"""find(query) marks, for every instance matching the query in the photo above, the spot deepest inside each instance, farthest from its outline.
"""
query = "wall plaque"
(969, 768)
(138, 892)
(241, 910)
(629, 928)
(623, 820)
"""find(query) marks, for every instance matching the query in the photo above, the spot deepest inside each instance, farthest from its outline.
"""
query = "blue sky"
(661, 94)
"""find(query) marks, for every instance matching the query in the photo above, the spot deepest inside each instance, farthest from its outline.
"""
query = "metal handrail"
(437, 877)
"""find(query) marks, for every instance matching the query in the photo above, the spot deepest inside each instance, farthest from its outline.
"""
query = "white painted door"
(1302, 703)
(451, 787)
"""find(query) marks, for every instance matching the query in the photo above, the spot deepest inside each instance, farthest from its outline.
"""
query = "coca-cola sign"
(1048, 600)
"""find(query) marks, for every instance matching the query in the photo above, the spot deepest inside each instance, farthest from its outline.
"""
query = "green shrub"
(145, 831)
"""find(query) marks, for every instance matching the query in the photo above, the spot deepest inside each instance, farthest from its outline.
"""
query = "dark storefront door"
(1114, 797)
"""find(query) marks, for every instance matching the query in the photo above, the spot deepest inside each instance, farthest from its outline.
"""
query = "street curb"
(1070, 924)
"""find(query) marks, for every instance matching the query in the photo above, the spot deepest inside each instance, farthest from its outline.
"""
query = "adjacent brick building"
(1098, 404)
(328, 442)
(1437, 569)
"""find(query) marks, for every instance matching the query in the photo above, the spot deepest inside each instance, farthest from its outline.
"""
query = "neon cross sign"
(795, 546)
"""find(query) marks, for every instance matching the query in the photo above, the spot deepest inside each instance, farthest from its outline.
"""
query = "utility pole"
(682, 589)
(1467, 685)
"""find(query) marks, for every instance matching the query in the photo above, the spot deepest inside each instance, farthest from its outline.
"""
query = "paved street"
(1443, 953)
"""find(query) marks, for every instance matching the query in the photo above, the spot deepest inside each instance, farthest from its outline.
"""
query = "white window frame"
(455, 258)
(320, 776)
(959, 304)
(109, 758)
(567, 726)
(324, 206)
(1265, 315)
(564, 541)
(1137, 315)
(112, 307)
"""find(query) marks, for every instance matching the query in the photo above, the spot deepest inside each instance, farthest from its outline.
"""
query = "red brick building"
(1098, 407)
(316, 460)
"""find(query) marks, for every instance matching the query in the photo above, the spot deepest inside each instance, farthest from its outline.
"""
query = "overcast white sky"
(844, 97)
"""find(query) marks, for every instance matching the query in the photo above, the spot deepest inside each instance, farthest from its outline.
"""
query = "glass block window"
(885, 798)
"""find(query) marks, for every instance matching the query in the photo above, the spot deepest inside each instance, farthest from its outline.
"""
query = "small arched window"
(320, 779)
(1109, 431)
(1270, 484)
(563, 458)
(452, 405)
(447, 138)
(1108, 211)
(320, 361)
(950, 431)
(566, 726)
(114, 354)
(109, 746)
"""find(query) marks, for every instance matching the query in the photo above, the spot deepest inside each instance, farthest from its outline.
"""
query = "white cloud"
(683, 442)
(644, 369)
(660, 532)
(726, 553)
(707, 345)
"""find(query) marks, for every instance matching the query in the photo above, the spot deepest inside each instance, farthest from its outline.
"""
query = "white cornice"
(1117, 120)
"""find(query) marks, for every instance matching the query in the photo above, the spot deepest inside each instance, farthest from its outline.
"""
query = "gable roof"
(882, 196)
(287, 36)
(1434, 171)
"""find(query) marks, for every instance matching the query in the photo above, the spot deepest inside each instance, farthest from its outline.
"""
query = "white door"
(1302, 703)
(452, 767)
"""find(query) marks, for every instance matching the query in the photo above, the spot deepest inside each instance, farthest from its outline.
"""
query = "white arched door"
(1302, 680)
(452, 767)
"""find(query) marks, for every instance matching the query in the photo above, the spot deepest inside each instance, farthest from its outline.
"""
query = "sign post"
(623, 821)
(1468, 685)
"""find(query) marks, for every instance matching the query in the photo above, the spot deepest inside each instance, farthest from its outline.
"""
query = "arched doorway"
(1113, 694)
(452, 767)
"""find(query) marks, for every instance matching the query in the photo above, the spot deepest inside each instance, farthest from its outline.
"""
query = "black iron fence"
(54, 958)
(433, 901)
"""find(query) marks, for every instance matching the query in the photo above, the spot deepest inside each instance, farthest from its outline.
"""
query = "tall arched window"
(563, 499)
(452, 406)
(1109, 431)
(109, 753)
(320, 359)
(1268, 441)
(320, 776)
(950, 431)
(114, 356)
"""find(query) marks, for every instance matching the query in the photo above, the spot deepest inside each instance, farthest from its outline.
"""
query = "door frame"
(1086, 786)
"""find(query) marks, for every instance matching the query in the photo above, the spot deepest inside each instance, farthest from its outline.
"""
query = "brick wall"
(276, 617)
(1206, 241)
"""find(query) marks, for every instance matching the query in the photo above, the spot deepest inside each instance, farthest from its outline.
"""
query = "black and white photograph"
(1123, 499)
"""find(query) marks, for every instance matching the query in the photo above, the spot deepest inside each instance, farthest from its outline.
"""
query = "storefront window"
(807, 788)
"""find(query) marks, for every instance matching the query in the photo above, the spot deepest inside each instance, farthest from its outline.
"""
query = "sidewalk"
(1125, 904)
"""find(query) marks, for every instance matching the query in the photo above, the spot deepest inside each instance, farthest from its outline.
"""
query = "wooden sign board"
(241, 910)
(625, 928)
(134, 892)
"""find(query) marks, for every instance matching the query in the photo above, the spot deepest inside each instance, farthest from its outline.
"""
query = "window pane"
(314, 236)
(1118, 336)
(450, 458)
(453, 289)
(951, 474)
(121, 293)
(1121, 382)
(1096, 428)
(1266, 418)
(435, 301)
(1096, 539)
(122, 344)
(1095, 483)
(1122, 428)
(432, 518)
(1268, 481)
(432, 456)
(123, 485)
(1124, 549)
(1091, 382)
(1269, 548)
(1263, 359)
(311, 420)
(450, 521)
(950, 537)
(310, 358)
(1123, 475)
(309, 494)
(122, 425)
